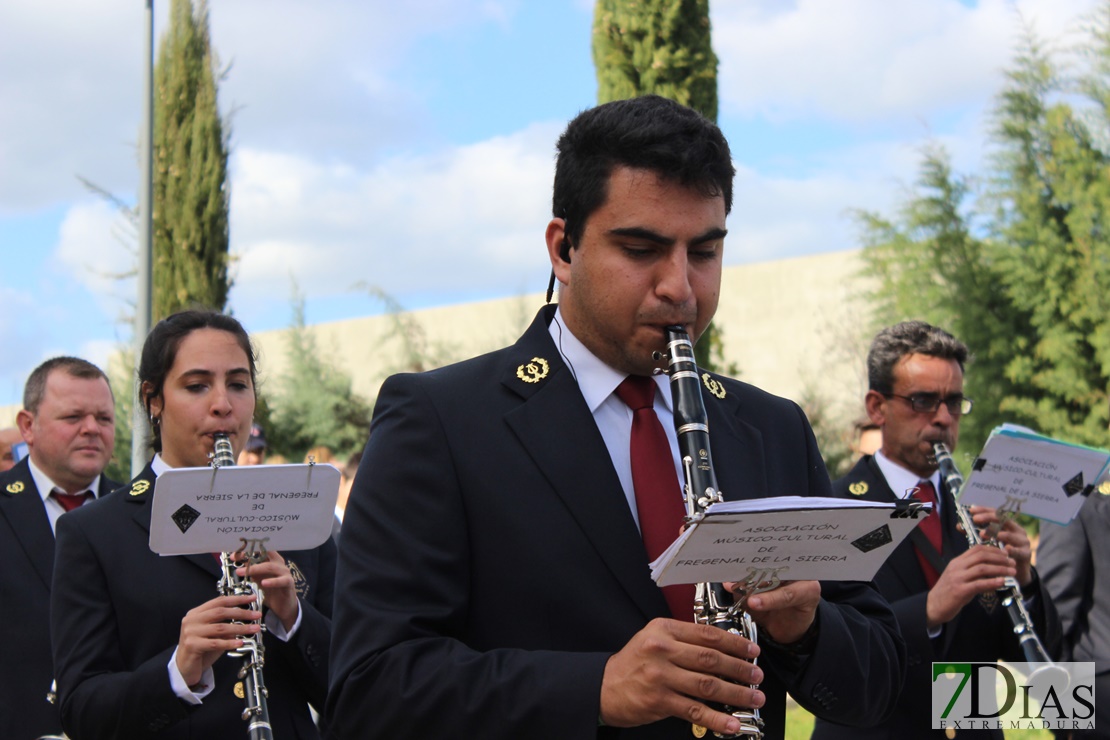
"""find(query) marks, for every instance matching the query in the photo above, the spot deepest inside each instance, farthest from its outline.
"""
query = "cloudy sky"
(409, 145)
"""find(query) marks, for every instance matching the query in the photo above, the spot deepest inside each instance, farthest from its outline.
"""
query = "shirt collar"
(900, 480)
(596, 380)
(46, 486)
(158, 465)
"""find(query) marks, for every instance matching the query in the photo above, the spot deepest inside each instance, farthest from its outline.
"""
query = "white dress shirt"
(46, 486)
(598, 383)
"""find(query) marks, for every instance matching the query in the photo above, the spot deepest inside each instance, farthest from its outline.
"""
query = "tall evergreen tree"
(1023, 287)
(660, 47)
(1053, 210)
(932, 266)
(190, 211)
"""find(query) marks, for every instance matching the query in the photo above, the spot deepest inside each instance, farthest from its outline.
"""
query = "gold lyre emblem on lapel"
(139, 487)
(16, 487)
(713, 386)
(534, 371)
(239, 691)
(1104, 488)
(858, 488)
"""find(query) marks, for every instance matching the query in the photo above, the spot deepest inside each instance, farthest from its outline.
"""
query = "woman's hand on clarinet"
(207, 633)
(279, 592)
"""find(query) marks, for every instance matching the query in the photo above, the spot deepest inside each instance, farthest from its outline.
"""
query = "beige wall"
(792, 327)
(799, 326)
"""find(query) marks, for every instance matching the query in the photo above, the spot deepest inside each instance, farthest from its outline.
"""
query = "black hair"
(160, 351)
(650, 133)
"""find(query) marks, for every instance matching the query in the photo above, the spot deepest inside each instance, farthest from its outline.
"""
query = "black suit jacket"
(116, 619)
(973, 635)
(490, 565)
(26, 565)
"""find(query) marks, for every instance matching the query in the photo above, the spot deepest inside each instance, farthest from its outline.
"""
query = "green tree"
(930, 265)
(313, 403)
(190, 210)
(1021, 282)
(660, 47)
(1052, 194)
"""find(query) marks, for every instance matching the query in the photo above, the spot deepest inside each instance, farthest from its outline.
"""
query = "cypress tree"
(190, 212)
(660, 47)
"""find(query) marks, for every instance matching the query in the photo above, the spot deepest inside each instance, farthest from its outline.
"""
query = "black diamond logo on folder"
(184, 517)
(874, 539)
(1075, 485)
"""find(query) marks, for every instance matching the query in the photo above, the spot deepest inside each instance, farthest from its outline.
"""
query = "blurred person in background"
(9, 438)
(1074, 562)
(254, 452)
(68, 421)
(933, 579)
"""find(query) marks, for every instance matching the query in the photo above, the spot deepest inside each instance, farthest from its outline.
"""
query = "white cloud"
(315, 77)
(777, 216)
(101, 352)
(866, 60)
(470, 217)
(21, 327)
(96, 246)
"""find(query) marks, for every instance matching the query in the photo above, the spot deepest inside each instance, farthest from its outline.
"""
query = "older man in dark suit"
(933, 579)
(68, 422)
(494, 561)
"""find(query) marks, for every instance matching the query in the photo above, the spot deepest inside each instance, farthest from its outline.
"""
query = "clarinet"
(713, 604)
(252, 687)
(1010, 593)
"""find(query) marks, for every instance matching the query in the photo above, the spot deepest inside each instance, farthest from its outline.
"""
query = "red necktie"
(658, 493)
(69, 501)
(930, 527)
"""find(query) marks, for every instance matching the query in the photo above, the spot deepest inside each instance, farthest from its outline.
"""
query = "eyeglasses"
(928, 403)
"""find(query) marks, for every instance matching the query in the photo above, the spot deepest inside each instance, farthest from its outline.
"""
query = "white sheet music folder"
(1043, 477)
(796, 538)
(198, 510)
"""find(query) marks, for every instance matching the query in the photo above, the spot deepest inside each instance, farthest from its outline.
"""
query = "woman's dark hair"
(160, 351)
(649, 133)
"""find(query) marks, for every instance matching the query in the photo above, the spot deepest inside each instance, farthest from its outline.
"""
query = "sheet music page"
(198, 510)
(791, 537)
(1040, 476)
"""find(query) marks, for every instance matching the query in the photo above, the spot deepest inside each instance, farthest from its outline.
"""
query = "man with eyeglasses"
(934, 579)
